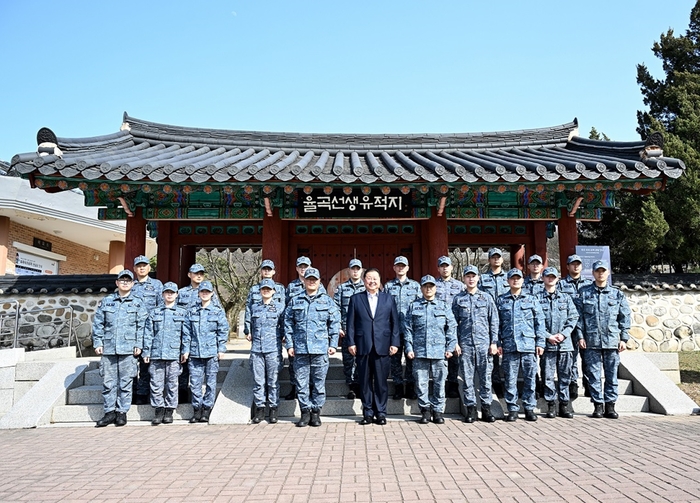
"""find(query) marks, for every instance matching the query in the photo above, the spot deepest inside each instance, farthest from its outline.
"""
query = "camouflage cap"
(170, 286)
(427, 279)
(515, 272)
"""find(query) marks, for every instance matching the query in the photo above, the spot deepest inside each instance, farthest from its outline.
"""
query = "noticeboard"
(589, 254)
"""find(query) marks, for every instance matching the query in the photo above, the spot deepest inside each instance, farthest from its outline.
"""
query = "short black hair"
(372, 269)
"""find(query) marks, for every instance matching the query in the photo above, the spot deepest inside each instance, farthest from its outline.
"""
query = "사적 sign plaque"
(374, 203)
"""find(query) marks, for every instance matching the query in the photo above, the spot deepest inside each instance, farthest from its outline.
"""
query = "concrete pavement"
(641, 457)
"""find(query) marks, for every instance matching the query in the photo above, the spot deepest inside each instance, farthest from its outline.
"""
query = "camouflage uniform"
(311, 326)
(266, 325)
(495, 285)
(447, 290)
(430, 331)
(533, 286)
(404, 294)
(204, 336)
(188, 297)
(118, 328)
(605, 321)
(151, 291)
(162, 344)
(572, 287)
(477, 322)
(522, 330)
(560, 317)
(342, 299)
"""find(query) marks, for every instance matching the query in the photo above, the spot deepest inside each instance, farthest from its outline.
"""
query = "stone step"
(93, 378)
(85, 395)
(93, 412)
(32, 370)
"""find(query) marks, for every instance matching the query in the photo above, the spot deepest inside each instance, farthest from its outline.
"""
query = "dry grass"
(690, 374)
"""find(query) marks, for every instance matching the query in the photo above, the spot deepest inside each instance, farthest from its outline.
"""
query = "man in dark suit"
(373, 337)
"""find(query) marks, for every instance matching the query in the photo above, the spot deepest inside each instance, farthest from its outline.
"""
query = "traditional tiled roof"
(657, 282)
(152, 153)
(51, 285)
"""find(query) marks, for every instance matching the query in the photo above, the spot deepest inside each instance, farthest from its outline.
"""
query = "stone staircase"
(338, 405)
(84, 402)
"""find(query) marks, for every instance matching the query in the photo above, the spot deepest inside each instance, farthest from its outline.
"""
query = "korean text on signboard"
(357, 204)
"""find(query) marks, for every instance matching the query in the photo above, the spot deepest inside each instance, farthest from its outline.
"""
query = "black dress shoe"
(381, 420)
(530, 415)
(512, 416)
(366, 420)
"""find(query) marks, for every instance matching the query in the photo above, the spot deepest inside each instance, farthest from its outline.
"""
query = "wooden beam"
(436, 243)
(539, 238)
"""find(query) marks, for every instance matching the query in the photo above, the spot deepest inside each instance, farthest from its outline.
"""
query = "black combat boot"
(292, 395)
(259, 415)
(437, 417)
(253, 410)
(452, 390)
(486, 415)
(512, 416)
(273, 415)
(398, 391)
(564, 410)
(573, 391)
(205, 414)
(121, 419)
(315, 419)
(158, 417)
(425, 416)
(196, 416)
(530, 415)
(610, 410)
(108, 418)
(551, 410)
(597, 410)
(410, 392)
(305, 418)
(471, 414)
(168, 416)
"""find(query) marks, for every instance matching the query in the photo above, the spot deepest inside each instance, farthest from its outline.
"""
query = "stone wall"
(49, 328)
(666, 320)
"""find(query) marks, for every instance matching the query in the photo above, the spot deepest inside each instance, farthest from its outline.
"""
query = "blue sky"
(325, 66)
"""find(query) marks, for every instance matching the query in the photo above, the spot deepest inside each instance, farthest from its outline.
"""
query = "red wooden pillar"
(568, 237)
(517, 257)
(275, 241)
(135, 238)
(187, 257)
(164, 252)
(435, 244)
(539, 235)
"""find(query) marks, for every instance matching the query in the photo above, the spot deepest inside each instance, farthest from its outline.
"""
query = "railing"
(52, 322)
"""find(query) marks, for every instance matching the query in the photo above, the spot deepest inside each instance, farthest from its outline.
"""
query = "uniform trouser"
(422, 368)
(559, 363)
(143, 379)
(203, 371)
(164, 382)
(512, 363)
(609, 360)
(397, 372)
(265, 367)
(372, 374)
(476, 361)
(118, 372)
(311, 371)
(348, 362)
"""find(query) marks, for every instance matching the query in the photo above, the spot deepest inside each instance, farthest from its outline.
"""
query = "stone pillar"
(4, 243)
(135, 238)
(116, 257)
(568, 237)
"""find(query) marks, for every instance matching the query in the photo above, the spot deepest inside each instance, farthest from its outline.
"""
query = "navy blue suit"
(373, 336)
